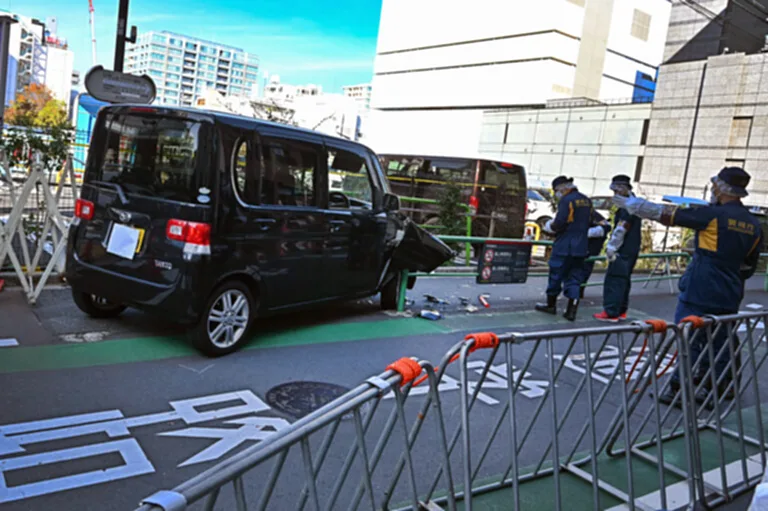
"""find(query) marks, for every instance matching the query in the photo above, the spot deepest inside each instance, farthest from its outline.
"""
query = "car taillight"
(84, 209)
(473, 205)
(196, 236)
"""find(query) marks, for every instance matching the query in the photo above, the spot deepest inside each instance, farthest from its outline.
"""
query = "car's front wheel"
(390, 292)
(96, 306)
(226, 320)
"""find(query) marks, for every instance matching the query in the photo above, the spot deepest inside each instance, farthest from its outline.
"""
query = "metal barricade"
(721, 374)
(486, 452)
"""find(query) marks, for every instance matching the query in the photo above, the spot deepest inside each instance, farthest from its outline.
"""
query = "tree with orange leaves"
(36, 106)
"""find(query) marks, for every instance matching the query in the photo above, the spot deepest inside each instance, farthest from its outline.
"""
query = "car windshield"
(148, 155)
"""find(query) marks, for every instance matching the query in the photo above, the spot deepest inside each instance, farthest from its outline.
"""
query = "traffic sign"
(114, 87)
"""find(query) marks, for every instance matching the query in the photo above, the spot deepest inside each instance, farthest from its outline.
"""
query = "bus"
(495, 191)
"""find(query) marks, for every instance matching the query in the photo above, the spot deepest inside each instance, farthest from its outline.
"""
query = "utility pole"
(5, 41)
(120, 37)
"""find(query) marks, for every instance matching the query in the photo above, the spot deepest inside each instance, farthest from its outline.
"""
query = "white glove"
(610, 254)
(548, 226)
(639, 207)
(615, 243)
(596, 232)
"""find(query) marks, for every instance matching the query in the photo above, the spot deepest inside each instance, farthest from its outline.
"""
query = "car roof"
(238, 120)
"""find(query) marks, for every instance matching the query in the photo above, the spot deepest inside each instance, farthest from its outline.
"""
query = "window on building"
(237, 66)
(226, 54)
(639, 168)
(734, 162)
(175, 42)
(348, 177)
(641, 25)
(156, 74)
(175, 60)
(251, 76)
(156, 65)
(191, 46)
(158, 56)
(175, 69)
(741, 127)
(158, 47)
(290, 180)
(172, 85)
(190, 56)
(158, 38)
(174, 52)
(644, 134)
(172, 94)
(236, 90)
(237, 82)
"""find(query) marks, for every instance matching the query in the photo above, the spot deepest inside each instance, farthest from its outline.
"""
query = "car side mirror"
(391, 202)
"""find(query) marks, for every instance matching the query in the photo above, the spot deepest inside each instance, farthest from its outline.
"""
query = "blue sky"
(328, 42)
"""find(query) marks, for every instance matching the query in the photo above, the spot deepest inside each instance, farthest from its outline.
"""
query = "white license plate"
(124, 241)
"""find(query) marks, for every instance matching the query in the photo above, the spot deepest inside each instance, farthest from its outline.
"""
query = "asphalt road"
(99, 414)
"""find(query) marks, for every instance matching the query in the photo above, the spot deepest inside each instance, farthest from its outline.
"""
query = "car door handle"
(265, 224)
(336, 225)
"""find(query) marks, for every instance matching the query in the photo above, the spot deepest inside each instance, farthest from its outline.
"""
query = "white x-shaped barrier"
(53, 228)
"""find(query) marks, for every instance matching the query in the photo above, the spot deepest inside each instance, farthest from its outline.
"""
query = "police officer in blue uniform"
(599, 228)
(727, 250)
(571, 229)
(622, 251)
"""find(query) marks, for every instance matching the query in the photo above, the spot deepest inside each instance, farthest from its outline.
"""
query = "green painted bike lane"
(144, 349)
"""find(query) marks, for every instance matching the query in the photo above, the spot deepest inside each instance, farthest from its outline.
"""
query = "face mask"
(713, 198)
(559, 195)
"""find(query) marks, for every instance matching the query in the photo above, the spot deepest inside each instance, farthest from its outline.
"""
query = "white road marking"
(15, 439)
(754, 306)
(678, 495)
(85, 337)
(7, 343)
(196, 371)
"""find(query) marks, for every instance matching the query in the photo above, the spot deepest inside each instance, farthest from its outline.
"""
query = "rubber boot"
(550, 307)
(570, 311)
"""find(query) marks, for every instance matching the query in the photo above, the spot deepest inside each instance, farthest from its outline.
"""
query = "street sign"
(114, 87)
(504, 263)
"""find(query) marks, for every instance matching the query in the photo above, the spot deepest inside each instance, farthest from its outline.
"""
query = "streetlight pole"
(120, 37)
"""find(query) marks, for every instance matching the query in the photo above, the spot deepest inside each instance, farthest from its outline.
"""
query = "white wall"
(436, 132)
(58, 73)
(592, 144)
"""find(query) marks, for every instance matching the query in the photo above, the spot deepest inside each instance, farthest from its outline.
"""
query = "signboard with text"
(114, 87)
(504, 263)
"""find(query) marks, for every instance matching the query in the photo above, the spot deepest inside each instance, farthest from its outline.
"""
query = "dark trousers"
(617, 286)
(699, 345)
(565, 274)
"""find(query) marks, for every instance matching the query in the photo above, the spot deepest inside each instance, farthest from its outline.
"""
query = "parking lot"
(103, 413)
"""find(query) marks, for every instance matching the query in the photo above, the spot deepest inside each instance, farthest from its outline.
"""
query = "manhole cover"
(300, 398)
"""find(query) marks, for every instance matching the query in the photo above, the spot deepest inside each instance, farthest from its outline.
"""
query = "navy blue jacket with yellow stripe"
(571, 225)
(727, 250)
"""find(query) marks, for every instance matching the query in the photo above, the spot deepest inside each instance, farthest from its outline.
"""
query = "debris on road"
(436, 300)
(484, 301)
(464, 301)
(431, 315)
(471, 308)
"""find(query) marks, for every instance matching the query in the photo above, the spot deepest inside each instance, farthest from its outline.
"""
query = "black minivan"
(212, 220)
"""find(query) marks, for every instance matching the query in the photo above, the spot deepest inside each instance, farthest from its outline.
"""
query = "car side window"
(349, 181)
(246, 171)
(292, 172)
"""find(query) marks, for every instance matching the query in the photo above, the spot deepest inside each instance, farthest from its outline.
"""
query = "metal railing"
(586, 421)
(665, 258)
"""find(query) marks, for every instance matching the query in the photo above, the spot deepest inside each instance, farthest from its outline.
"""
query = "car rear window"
(149, 154)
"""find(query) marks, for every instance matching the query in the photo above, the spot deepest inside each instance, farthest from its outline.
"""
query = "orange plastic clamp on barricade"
(406, 367)
(482, 341)
(696, 322)
(659, 326)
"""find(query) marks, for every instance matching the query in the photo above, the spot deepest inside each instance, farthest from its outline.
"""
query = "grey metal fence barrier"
(722, 374)
(570, 408)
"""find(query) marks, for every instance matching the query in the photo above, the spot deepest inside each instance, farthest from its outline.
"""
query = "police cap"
(560, 181)
(622, 180)
(737, 180)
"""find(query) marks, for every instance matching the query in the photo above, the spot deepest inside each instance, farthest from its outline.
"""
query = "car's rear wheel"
(226, 320)
(96, 306)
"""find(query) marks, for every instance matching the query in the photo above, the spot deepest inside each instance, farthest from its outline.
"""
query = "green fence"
(662, 257)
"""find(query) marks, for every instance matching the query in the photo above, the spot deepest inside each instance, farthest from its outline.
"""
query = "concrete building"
(361, 94)
(708, 114)
(304, 106)
(439, 67)
(704, 28)
(590, 142)
(37, 55)
(183, 67)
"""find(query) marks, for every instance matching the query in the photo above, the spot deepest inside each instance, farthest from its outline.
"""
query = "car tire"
(226, 320)
(95, 306)
(389, 292)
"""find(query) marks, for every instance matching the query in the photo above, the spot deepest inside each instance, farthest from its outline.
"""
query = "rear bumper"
(179, 302)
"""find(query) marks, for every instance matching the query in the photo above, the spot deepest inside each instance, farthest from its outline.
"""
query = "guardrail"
(663, 257)
(587, 431)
